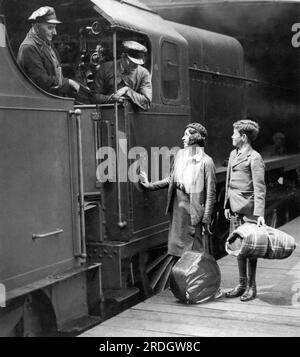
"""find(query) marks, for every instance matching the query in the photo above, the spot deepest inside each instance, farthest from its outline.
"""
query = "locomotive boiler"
(75, 247)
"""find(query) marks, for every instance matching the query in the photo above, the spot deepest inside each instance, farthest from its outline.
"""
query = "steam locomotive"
(73, 248)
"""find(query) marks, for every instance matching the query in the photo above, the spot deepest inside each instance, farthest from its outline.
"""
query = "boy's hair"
(247, 127)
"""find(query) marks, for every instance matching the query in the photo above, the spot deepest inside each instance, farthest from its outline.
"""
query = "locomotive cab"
(83, 44)
(121, 231)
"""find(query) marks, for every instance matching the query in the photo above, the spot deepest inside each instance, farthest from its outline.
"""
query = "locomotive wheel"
(155, 269)
(159, 271)
(38, 319)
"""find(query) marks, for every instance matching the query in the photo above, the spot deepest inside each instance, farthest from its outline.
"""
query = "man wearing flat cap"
(38, 57)
(133, 80)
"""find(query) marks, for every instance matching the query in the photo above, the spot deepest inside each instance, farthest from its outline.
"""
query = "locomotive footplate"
(49, 280)
(56, 297)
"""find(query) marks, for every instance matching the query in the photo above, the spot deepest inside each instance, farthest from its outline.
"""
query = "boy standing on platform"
(245, 197)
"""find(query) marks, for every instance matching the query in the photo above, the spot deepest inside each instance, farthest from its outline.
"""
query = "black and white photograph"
(150, 172)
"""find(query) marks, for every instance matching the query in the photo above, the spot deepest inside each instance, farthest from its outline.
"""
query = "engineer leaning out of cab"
(39, 58)
(133, 80)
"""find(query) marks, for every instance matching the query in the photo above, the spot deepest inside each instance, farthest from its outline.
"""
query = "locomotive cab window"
(170, 77)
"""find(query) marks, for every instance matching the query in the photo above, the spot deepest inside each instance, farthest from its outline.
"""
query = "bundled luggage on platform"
(195, 277)
(249, 240)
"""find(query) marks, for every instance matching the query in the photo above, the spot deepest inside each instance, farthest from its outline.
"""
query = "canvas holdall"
(195, 278)
(251, 241)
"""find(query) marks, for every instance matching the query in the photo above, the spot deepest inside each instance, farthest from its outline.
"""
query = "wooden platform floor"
(275, 312)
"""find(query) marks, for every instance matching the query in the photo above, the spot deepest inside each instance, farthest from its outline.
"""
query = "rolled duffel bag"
(195, 278)
(251, 241)
(281, 245)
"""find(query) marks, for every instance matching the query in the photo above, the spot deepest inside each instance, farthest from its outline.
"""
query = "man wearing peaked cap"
(133, 80)
(44, 14)
(38, 57)
(135, 51)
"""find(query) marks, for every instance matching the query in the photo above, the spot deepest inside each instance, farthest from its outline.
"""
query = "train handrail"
(236, 77)
(82, 244)
(47, 235)
(121, 223)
